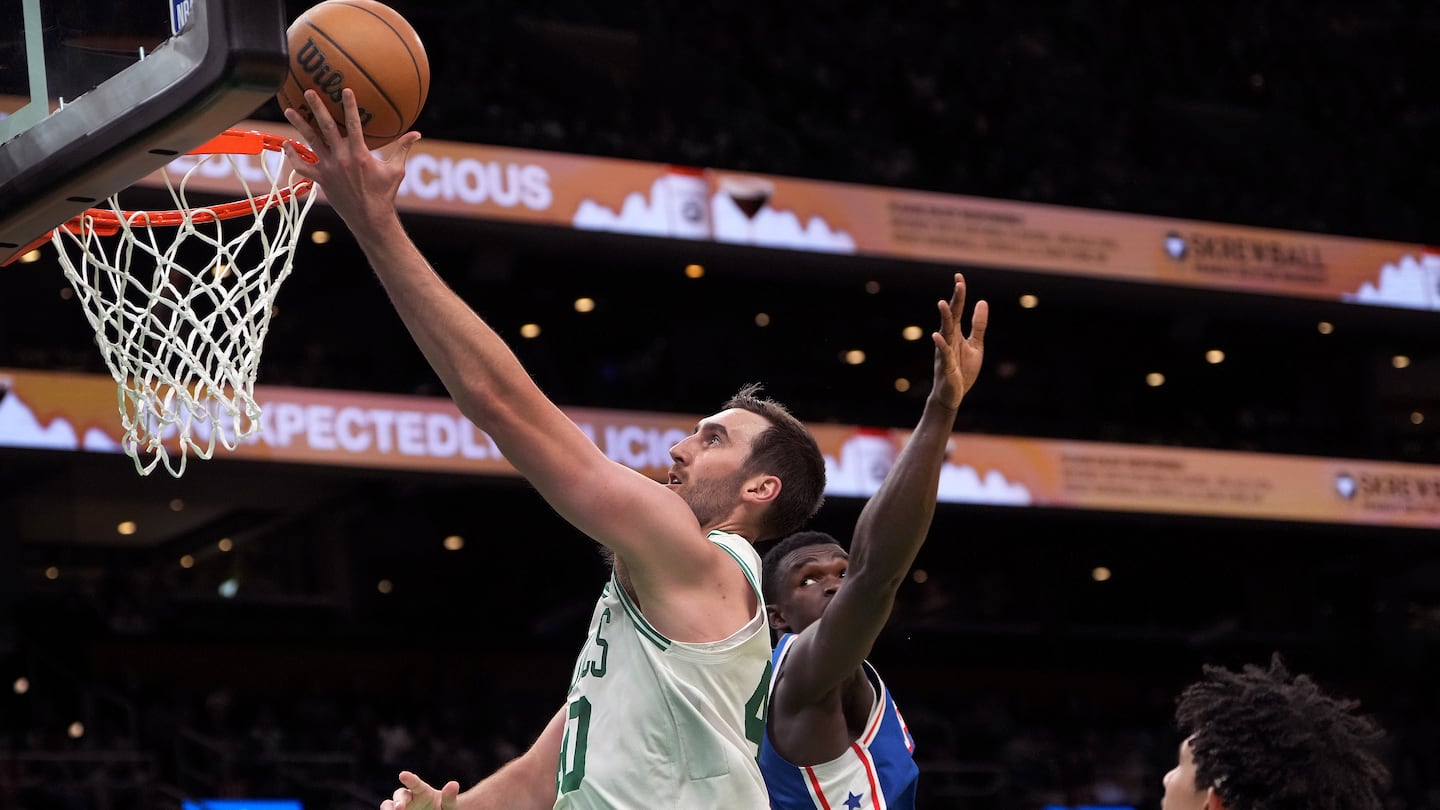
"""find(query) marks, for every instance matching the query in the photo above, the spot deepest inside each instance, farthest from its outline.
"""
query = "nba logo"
(180, 14)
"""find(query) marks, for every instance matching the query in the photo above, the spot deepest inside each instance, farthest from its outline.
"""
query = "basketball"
(368, 47)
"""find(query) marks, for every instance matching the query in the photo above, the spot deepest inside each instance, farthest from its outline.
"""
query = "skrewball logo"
(1345, 486)
(1175, 246)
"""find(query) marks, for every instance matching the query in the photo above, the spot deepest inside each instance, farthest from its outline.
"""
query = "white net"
(184, 344)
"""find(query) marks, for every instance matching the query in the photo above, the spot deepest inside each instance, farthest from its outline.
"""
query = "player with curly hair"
(1264, 739)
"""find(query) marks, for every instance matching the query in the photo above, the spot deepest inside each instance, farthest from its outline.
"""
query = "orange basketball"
(368, 47)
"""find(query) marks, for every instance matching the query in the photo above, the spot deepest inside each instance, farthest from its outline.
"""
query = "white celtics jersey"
(656, 723)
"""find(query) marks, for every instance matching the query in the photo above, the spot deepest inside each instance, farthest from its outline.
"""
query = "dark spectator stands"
(1026, 683)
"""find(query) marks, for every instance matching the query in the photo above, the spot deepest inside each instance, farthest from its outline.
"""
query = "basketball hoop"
(184, 346)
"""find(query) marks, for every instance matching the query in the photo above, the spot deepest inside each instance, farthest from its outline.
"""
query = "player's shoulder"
(728, 538)
(740, 549)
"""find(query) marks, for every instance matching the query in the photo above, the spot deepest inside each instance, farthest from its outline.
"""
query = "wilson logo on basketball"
(325, 79)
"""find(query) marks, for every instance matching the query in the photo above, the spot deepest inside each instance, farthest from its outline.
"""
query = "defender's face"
(813, 575)
(708, 468)
(1180, 790)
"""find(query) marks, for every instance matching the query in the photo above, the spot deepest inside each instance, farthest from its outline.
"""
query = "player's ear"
(777, 617)
(1213, 800)
(762, 488)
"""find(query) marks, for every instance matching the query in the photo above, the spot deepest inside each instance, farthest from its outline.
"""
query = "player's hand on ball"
(359, 187)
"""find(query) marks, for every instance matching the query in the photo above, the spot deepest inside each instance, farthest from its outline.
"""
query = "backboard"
(97, 94)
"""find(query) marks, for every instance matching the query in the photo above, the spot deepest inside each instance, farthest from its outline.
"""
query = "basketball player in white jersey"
(665, 706)
(834, 735)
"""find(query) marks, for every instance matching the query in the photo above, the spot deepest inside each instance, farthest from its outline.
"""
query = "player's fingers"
(304, 168)
(302, 125)
(413, 782)
(401, 151)
(450, 796)
(351, 109)
(979, 319)
(324, 122)
(957, 298)
(947, 320)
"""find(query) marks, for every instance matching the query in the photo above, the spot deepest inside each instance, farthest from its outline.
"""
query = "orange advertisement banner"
(679, 202)
(452, 179)
(73, 412)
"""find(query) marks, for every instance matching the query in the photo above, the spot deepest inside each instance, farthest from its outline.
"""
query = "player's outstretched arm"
(893, 525)
(637, 518)
(524, 783)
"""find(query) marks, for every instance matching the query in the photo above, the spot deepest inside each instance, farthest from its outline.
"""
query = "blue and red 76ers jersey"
(877, 771)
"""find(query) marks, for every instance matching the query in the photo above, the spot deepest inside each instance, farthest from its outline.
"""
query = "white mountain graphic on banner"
(865, 459)
(679, 205)
(19, 427)
(1413, 283)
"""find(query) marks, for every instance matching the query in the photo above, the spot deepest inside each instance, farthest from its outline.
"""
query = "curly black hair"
(1268, 740)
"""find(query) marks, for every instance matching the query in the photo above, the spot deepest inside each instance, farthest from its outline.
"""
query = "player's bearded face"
(713, 498)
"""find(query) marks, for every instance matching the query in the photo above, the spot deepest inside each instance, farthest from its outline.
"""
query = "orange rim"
(103, 222)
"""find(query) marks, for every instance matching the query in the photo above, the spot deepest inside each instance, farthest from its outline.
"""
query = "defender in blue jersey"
(834, 738)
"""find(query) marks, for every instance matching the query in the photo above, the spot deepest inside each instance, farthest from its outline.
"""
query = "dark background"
(1025, 681)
